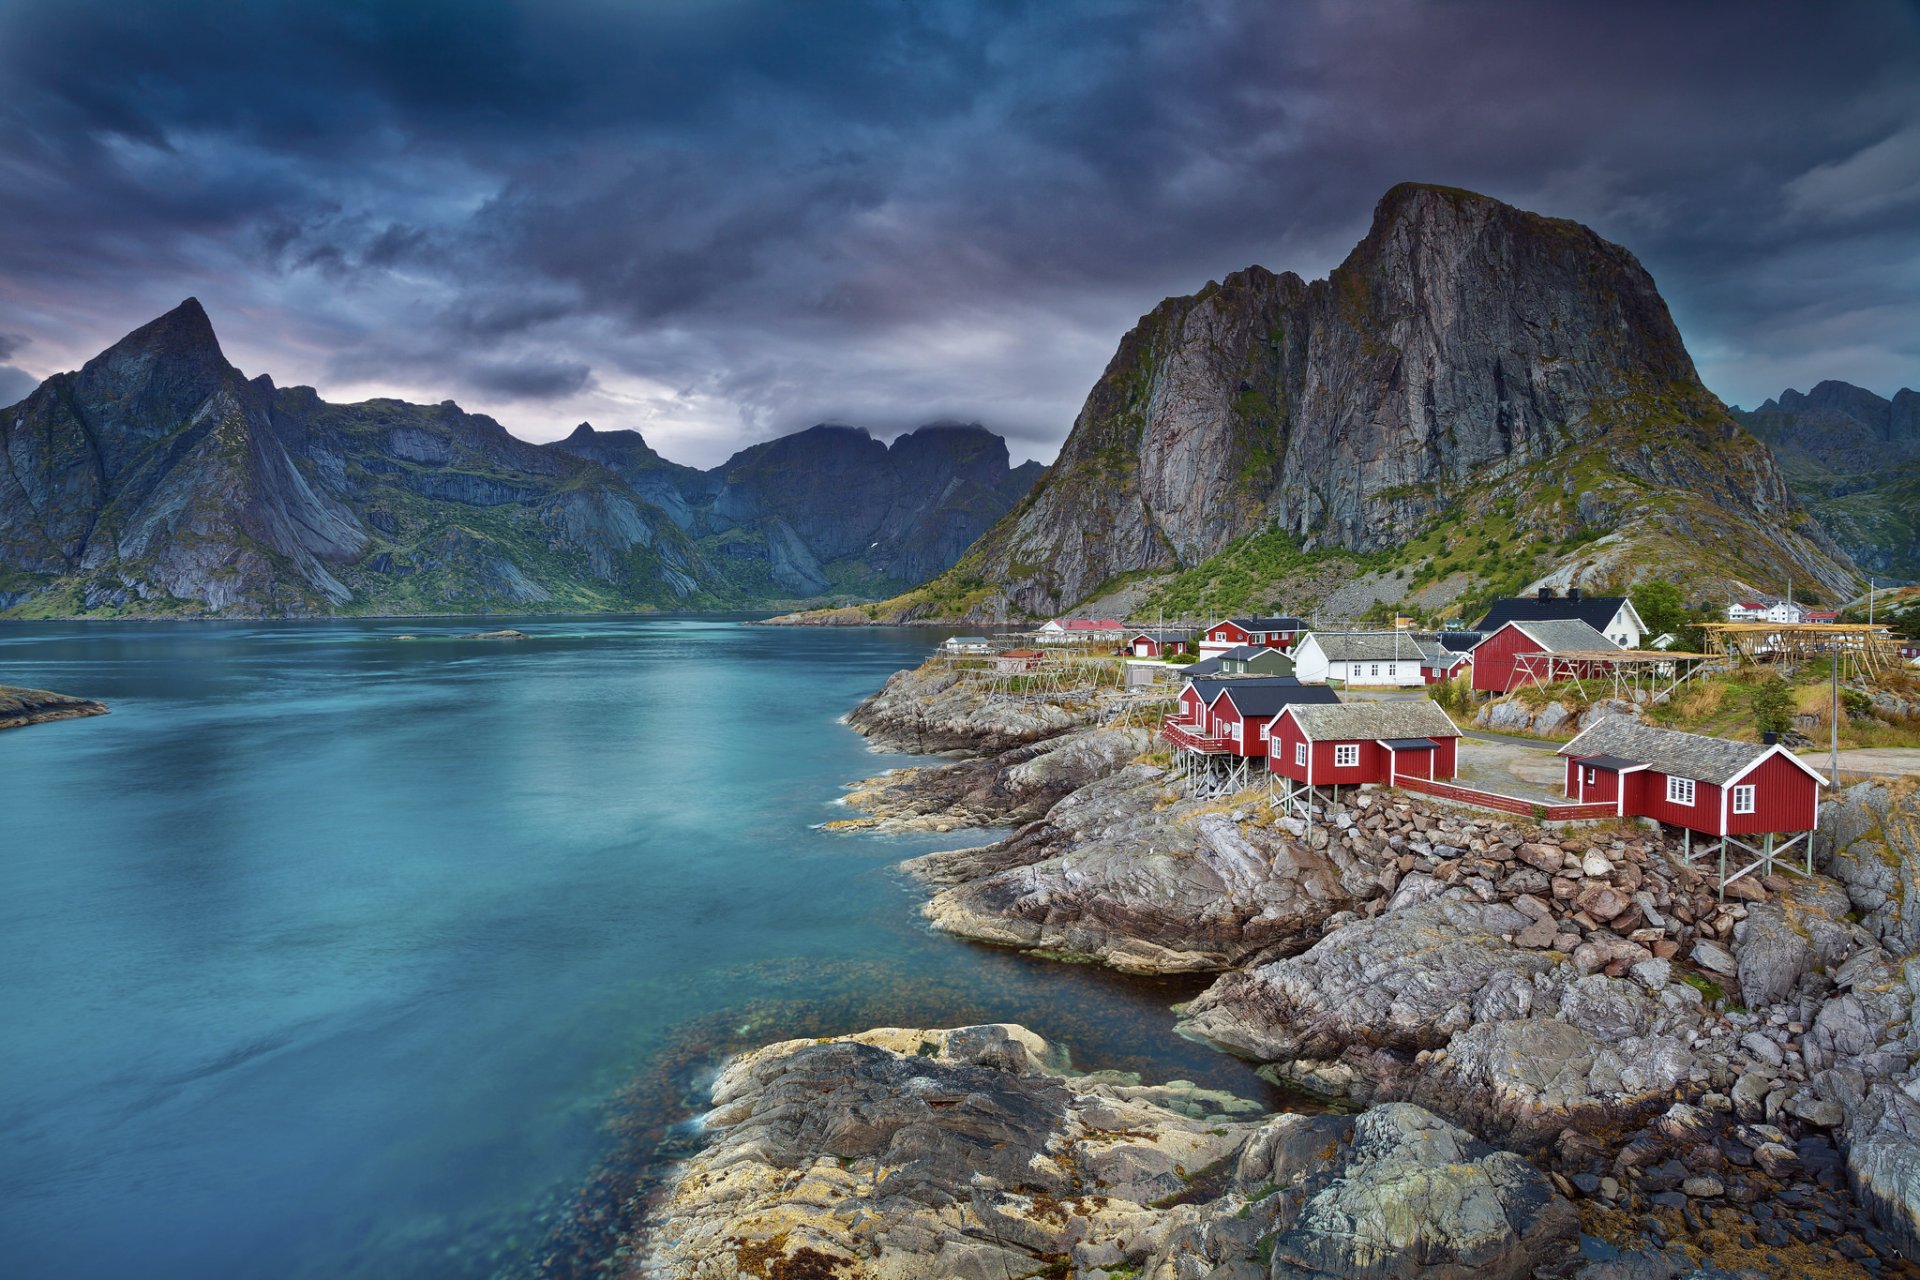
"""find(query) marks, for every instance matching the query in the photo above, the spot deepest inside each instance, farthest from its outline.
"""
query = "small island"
(20, 707)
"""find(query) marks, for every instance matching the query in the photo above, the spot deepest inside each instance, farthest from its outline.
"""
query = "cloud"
(720, 221)
(532, 379)
(15, 385)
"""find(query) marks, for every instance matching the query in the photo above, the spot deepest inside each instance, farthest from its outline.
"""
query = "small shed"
(967, 644)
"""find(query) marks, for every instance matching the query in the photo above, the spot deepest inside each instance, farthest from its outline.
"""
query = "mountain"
(830, 508)
(1854, 457)
(158, 479)
(1476, 397)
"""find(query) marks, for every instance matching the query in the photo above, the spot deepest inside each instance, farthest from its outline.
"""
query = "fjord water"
(329, 953)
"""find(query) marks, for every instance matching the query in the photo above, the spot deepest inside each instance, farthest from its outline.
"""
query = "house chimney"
(1573, 593)
(1546, 593)
(1770, 739)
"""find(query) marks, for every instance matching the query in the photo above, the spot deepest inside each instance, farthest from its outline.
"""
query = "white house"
(968, 644)
(1786, 611)
(1390, 658)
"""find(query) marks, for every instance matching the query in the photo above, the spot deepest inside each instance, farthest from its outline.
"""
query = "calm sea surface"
(329, 954)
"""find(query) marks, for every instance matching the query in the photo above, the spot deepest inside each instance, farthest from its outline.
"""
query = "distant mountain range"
(1478, 397)
(159, 480)
(1854, 458)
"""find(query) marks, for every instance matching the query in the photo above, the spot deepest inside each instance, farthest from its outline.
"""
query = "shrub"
(1771, 704)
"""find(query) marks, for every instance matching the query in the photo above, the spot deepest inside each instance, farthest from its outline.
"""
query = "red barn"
(1351, 743)
(1495, 666)
(1731, 792)
(1266, 633)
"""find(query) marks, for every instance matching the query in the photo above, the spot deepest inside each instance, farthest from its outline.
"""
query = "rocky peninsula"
(1532, 1037)
(20, 707)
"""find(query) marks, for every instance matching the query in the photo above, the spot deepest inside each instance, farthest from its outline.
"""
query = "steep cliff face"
(1855, 458)
(1461, 342)
(830, 507)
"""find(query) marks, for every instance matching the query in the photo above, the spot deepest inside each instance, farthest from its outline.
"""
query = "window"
(1346, 755)
(1299, 753)
(1390, 670)
(1376, 669)
(1680, 791)
(1743, 799)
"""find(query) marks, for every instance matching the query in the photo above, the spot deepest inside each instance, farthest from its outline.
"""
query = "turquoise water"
(328, 954)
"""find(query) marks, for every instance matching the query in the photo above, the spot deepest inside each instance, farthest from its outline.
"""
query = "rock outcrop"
(1465, 355)
(20, 707)
(939, 707)
(956, 1154)
(1012, 788)
(1869, 840)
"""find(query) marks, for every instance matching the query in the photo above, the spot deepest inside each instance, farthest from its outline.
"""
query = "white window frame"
(1745, 799)
(1680, 791)
(1299, 753)
(1346, 755)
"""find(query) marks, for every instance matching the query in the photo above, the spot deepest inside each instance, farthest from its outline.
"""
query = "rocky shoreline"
(21, 707)
(1672, 1080)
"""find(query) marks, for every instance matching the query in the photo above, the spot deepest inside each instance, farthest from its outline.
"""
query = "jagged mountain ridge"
(1466, 354)
(1854, 457)
(831, 505)
(158, 479)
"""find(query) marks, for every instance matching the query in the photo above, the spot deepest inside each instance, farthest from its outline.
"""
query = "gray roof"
(1685, 755)
(1399, 718)
(1370, 646)
(1564, 635)
(1159, 637)
(1203, 668)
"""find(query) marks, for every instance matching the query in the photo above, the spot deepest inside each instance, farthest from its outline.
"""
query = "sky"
(717, 221)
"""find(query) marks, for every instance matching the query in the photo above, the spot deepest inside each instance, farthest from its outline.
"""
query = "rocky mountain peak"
(1461, 341)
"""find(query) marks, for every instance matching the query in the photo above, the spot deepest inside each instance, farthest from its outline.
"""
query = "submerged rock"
(21, 707)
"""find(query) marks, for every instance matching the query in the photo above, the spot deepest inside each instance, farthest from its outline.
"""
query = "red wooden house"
(1220, 731)
(1733, 793)
(1360, 742)
(1268, 633)
(1157, 644)
(1572, 648)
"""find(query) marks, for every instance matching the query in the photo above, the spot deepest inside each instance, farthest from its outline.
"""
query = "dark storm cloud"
(718, 219)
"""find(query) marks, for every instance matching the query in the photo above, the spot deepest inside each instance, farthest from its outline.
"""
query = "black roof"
(1202, 669)
(1268, 624)
(1410, 744)
(1612, 764)
(1461, 641)
(1595, 611)
(1266, 696)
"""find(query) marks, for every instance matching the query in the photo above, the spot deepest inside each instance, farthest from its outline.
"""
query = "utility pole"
(1833, 722)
